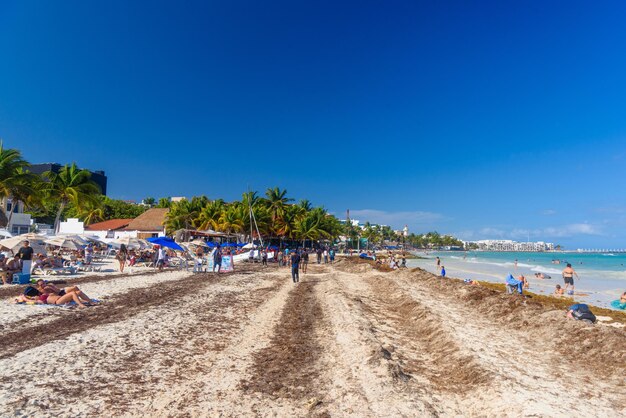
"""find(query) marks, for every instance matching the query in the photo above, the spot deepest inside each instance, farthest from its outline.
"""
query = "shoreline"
(601, 279)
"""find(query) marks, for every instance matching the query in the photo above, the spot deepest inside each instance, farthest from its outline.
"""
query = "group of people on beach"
(21, 262)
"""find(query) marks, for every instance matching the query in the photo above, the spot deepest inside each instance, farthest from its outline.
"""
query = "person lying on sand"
(559, 291)
(581, 312)
(50, 289)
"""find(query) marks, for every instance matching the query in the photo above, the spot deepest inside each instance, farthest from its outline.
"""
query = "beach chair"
(47, 271)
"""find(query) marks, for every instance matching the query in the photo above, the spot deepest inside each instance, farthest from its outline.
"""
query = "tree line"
(70, 192)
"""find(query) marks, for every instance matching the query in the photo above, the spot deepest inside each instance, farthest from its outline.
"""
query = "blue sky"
(481, 119)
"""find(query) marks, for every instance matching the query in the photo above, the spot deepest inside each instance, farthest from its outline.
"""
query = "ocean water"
(602, 276)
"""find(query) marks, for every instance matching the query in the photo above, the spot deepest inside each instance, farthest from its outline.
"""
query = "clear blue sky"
(482, 119)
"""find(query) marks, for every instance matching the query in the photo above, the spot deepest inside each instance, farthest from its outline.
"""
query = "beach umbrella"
(14, 243)
(242, 245)
(65, 242)
(165, 242)
(211, 244)
(92, 238)
(229, 244)
(248, 245)
(130, 243)
(76, 238)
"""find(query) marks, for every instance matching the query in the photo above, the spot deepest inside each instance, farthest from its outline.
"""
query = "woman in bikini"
(53, 295)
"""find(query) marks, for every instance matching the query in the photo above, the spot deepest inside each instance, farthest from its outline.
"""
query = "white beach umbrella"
(93, 239)
(76, 238)
(131, 243)
(65, 242)
(14, 243)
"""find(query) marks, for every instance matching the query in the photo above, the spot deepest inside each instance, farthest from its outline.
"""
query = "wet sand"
(348, 340)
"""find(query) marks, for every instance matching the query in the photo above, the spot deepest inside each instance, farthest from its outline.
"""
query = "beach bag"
(31, 291)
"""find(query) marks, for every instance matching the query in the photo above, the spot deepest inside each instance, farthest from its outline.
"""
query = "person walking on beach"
(161, 258)
(319, 255)
(304, 260)
(279, 257)
(121, 256)
(325, 256)
(217, 259)
(443, 272)
(568, 278)
(438, 263)
(331, 254)
(264, 258)
(295, 266)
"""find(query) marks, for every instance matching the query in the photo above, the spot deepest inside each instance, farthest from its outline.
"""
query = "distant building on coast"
(508, 245)
(97, 176)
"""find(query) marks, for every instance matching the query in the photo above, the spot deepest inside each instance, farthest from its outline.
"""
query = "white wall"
(71, 226)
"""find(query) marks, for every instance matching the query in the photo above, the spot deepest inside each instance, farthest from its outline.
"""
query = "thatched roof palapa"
(151, 220)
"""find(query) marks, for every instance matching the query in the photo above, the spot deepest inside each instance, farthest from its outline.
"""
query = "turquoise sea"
(602, 276)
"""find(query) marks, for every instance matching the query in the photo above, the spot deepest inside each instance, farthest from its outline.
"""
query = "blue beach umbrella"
(165, 242)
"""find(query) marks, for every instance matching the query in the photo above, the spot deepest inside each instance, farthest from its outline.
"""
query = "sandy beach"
(348, 340)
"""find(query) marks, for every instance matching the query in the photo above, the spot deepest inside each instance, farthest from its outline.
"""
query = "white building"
(19, 222)
(509, 245)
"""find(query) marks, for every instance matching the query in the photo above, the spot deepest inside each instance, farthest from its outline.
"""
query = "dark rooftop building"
(97, 176)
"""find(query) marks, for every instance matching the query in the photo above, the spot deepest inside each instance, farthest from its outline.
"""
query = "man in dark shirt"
(295, 265)
(26, 255)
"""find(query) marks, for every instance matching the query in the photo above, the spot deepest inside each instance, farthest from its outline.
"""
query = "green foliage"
(275, 217)
(433, 240)
(164, 202)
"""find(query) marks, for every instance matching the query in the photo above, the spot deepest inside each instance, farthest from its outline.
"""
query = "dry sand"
(348, 340)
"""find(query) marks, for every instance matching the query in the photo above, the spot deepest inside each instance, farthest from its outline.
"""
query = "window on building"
(19, 229)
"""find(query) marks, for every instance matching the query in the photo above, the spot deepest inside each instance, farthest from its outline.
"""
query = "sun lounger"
(47, 271)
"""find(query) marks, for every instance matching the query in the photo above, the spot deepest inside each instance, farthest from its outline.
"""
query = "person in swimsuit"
(50, 289)
(121, 256)
(568, 277)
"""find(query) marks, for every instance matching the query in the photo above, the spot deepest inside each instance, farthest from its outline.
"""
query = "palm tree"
(15, 181)
(209, 216)
(311, 226)
(70, 185)
(27, 190)
(149, 201)
(230, 221)
(277, 202)
(184, 213)
(286, 224)
(91, 215)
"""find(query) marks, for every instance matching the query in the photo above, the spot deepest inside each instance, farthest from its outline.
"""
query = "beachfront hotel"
(509, 245)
